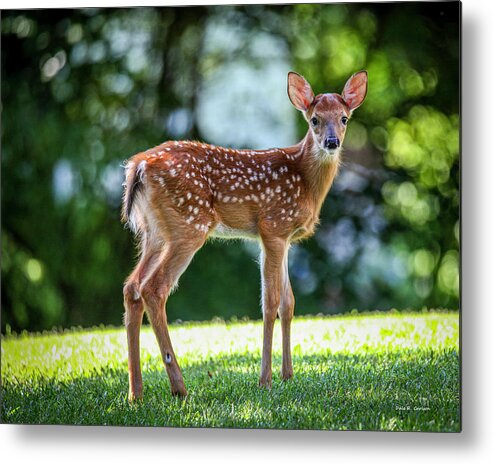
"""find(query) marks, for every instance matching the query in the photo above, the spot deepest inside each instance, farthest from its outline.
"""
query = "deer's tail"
(134, 183)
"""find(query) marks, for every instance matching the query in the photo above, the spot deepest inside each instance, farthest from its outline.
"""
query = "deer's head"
(327, 114)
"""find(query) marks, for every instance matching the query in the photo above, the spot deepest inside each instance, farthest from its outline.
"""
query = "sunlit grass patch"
(387, 371)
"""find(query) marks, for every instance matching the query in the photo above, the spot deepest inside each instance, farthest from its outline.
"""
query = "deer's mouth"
(328, 154)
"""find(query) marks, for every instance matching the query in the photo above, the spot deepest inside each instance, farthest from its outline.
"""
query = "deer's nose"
(332, 142)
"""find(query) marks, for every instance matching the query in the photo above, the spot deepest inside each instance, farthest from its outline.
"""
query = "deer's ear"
(299, 91)
(355, 90)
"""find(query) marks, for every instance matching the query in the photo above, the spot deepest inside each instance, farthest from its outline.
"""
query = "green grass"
(378, 372)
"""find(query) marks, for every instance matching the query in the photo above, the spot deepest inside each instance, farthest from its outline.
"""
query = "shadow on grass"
(411, 390)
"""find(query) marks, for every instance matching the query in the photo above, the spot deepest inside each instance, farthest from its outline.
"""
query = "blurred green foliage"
(82, 90)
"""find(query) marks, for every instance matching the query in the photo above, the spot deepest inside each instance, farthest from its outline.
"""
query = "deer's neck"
(317, 169)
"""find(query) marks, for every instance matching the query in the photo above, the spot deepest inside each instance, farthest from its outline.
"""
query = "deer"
(180, 193)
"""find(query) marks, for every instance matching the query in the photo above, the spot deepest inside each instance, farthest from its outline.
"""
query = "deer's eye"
(344, 120)
(314, 122)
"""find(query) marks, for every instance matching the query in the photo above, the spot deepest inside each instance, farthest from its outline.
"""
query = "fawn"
(180, 193)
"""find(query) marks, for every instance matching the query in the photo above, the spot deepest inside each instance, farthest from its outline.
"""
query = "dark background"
(82, 90)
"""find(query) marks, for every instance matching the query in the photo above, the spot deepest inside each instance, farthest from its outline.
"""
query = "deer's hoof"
(265, 383)
(134, 396)
(287, 375)
(180, 391)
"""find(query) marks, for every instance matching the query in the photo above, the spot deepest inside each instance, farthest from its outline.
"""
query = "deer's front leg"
(273, 251)
(286, 312)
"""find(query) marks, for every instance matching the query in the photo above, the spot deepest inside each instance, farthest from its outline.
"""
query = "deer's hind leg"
(155, 289)
(134, 311)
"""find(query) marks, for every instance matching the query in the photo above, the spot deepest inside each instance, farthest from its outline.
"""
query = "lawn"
(389, 371)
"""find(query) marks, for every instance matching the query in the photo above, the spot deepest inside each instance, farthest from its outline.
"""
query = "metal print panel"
(302, 156)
